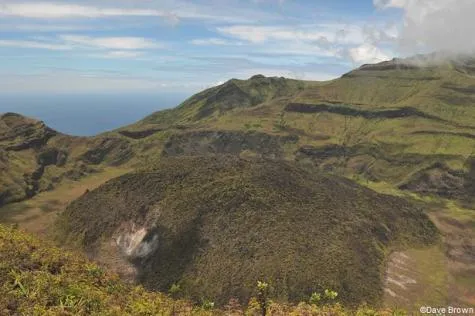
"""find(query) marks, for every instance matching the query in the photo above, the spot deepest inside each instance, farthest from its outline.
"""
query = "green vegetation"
(35, 158)
(396, 107)
(39, 279)
(234, 94)
(221, 222)
(402, 128)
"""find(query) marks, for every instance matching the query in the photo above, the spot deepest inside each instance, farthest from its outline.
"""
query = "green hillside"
(392, 122)
(217, 224)
(402, 127)
(34, 158)
(40, 279)
(399, 113)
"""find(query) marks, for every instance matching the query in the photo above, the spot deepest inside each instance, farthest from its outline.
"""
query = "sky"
(118, 46)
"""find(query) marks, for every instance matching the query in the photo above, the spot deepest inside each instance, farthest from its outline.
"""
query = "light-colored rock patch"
(130, 240)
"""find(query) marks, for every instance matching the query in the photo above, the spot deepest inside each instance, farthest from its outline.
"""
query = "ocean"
(88, 115)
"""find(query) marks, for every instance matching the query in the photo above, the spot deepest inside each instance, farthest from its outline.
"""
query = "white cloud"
(119, 43)
(331, 32)
(46, 10)
(353, 42)
(213, 42)
(33, 44)
(382, 4)
(118, 46)
(171, 13)
(435, 25)
(367, 53)
(120, 54)
(41, 27)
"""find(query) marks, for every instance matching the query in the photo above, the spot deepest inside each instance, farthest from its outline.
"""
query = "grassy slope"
(251, 219)
(391, 151)
(404, 145)
(35, 158)
(39, 279)
(37, 214)
(258, 105)
(442, 92)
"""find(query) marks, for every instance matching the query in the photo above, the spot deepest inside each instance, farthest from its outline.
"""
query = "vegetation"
(222, 222)
(39, 279)
(35, 158)
(402, 127)
(398, 106)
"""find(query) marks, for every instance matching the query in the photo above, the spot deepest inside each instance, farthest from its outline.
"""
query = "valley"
(270, 178)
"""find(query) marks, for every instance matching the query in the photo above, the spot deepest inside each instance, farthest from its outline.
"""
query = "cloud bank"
(434, 25)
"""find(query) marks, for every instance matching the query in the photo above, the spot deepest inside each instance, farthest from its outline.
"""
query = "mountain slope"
(35, 158)
(410, 113)
(233, 94)
(39, 279)
(404, 127)
(215, 225)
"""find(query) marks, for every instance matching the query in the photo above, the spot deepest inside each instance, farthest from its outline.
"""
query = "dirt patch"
(459, 240)
(416, 277)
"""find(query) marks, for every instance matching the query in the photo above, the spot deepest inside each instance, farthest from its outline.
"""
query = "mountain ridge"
(402, 130)
(276, 97)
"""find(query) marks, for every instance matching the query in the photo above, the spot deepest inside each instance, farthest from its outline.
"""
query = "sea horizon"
(88, 114)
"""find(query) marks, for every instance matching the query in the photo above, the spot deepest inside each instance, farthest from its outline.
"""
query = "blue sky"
(77, 46)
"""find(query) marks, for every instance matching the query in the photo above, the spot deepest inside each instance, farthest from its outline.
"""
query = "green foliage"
(175, 290)
(328, 297)
(263, 296)
(207, 304)
(315, 298)
(30, 287)
(248, 209)
(40, 279)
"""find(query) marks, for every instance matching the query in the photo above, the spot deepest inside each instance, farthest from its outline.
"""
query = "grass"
(39, 279)
(224, 222)
(38, 213)
(442, 279)
(384, 153)
(431, 267)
